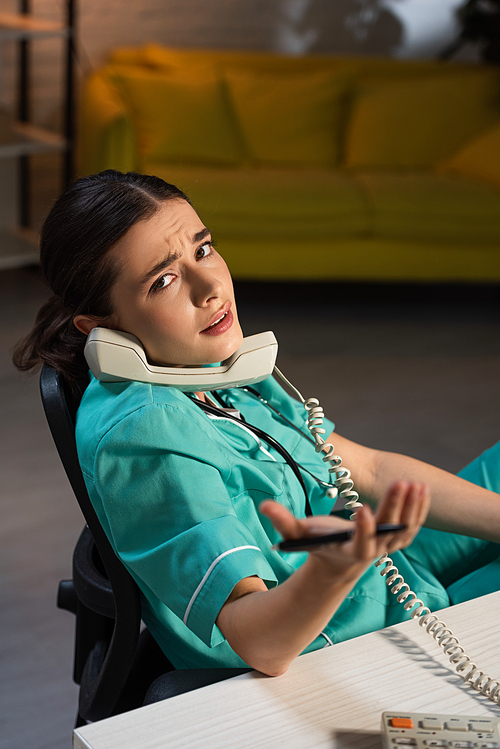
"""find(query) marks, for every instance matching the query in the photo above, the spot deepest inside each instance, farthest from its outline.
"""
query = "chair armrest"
(92, 587)
(66, 596)
(186, 680)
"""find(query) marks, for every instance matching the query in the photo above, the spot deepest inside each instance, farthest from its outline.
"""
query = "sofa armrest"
(106, 138)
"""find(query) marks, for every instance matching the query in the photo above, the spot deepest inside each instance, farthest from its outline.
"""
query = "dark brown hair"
(84, 223)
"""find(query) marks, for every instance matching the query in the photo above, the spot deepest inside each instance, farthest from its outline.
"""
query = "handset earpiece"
(115, 356)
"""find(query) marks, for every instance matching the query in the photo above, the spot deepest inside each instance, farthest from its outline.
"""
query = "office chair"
(118, 666)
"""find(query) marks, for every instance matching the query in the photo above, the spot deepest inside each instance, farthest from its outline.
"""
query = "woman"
(193, 503)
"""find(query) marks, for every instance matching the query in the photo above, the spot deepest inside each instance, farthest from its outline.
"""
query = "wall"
(105, 24)
(402, 28)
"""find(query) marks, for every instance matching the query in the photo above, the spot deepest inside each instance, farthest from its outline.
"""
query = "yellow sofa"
(313, 167)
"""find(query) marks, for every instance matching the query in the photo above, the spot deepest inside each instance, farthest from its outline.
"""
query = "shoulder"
(116, 400)
(135, 408)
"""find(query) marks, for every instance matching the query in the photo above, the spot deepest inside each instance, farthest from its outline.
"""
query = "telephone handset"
(115, 356)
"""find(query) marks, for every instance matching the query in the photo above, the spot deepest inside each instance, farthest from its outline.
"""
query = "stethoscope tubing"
(209, 409)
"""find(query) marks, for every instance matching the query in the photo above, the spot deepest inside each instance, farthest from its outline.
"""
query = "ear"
(86, 323)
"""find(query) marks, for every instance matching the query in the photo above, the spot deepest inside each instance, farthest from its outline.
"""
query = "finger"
(398, 506)
(364, 540)
(413, 514)
(287, 525)
(412, 508)
(425, 504)
(391, 506)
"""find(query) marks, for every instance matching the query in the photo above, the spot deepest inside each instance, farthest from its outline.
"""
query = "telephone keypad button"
(405, 741)
(436, 742)
(461, 744)
(480, 726)
(401, 723)
(457, 724)
(432, 724)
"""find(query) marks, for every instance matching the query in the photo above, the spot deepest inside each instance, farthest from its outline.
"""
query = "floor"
(410, 369)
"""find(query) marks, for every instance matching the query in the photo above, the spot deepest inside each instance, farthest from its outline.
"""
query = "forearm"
(269, 628)
(457, 505)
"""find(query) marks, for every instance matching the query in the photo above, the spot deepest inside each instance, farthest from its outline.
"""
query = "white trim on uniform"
(328, 641)
(207, 574)
(242, 426)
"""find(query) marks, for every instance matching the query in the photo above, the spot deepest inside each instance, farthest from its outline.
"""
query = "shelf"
(22, 26)
(22, 138)
(17, 248)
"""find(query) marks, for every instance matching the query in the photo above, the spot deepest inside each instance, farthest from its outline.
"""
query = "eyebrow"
(172, 257)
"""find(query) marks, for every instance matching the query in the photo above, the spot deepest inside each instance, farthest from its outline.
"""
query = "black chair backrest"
(111, 678)
(106, 671)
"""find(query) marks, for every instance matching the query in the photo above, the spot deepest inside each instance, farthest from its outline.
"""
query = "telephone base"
(409, 730)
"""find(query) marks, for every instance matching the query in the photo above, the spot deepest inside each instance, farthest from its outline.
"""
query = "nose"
(205, 287)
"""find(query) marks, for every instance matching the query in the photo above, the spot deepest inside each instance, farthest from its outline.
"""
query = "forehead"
(175, 220)
(170, 229)
(150, 242)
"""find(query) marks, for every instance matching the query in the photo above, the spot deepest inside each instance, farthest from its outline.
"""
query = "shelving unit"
(18, 25)
(20, 139)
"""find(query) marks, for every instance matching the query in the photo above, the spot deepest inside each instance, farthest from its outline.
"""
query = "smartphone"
(311, 542)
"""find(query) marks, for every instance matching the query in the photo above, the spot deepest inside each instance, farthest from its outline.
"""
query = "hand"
(404, 502)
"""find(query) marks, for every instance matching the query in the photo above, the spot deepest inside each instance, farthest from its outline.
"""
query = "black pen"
(309, 542)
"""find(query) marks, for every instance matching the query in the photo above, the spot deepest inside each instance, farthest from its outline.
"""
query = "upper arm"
(243, 588)
(246, 586)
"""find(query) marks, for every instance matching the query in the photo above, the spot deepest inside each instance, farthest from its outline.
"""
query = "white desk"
(330, 698)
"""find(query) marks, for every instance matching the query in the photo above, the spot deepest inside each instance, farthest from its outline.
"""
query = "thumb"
(287, 525)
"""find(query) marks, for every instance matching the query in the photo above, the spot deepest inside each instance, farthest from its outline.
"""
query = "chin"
(227, 351)
(235, 345)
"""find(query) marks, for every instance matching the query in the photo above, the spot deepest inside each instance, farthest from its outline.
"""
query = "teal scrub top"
(177, 493)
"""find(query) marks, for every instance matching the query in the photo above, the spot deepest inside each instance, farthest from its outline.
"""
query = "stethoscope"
(210, 409)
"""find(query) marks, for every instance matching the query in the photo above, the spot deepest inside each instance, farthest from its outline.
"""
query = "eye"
(204, 250)
(162, 282)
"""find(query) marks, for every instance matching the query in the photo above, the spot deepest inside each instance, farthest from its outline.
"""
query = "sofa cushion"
(161, 56)
(290, 118)
(417, 123)
(180, 115)
(127, 56)
(428, 207)
(107, 137)
(272, 202)
(478, 159)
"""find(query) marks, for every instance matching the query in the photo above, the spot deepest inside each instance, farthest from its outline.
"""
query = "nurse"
(193, 502)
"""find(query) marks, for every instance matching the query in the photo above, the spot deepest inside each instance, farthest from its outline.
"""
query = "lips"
(221, 322)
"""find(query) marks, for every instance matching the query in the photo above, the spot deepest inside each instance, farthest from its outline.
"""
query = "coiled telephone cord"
(342, 476)
(443, 635)
(464, 666)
